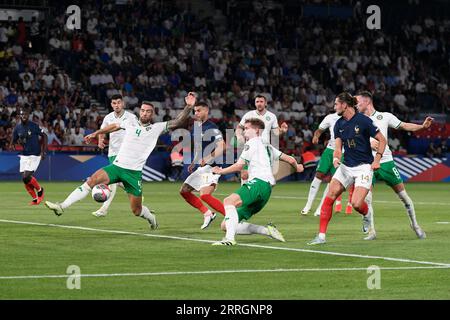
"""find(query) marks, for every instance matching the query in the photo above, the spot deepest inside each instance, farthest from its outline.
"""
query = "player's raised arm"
(220, 147)
(183, 115)
(281, 130)
(407, 126)
(231, 169)
(44, 145)
(108, 129)
(291, 160)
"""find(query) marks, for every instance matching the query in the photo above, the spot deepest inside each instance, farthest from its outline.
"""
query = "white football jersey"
(328, 123)
(270, 122)
(138, 143)
(258, 156)
(384, 121)
(116, 137)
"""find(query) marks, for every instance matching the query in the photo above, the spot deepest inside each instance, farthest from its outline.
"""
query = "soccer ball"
(101, 192)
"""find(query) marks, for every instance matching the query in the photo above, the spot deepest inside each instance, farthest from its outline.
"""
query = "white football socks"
(371, 211)
(248, 228)
(409, 205)
(145, 213)
(78, 194)
(313, 189)
(231, 222)
(107, 203)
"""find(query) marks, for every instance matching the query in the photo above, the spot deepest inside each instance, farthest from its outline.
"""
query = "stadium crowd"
(160, 50)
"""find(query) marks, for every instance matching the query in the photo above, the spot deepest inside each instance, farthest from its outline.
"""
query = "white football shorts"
(360, 175)
(202, 177)
(29, 163)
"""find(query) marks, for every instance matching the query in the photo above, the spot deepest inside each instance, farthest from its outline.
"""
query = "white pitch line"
(178, 273)
(376, 201)
(443, 222)
(240, 244)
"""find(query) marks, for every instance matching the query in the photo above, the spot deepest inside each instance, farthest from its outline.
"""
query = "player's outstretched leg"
(245, 228)
(142, 211)
(99, 177)
(409, 206)
(103, 211)
(371, 233)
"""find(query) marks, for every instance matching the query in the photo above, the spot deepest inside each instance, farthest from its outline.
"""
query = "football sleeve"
(394, 122)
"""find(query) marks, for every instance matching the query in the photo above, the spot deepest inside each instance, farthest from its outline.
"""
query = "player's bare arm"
(381, 146)
(231, 169)
(44, 144)
(108, 129)
(407, 126)
(220, 147)
(101, 141)
(183, 115)
(291, 160)
(316, 136)
(281, 130)
(337, 154)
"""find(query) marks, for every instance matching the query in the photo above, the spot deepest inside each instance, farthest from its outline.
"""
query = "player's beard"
(145, 120)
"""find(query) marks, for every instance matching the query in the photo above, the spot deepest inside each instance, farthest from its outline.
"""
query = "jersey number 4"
(351, 143)
(138, 132)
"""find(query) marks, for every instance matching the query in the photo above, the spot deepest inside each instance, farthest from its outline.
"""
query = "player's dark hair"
(365, 93)
(260, 96)
(256, 123)
(148, 103)
(202, 104)
(348, 99)
(116, 96)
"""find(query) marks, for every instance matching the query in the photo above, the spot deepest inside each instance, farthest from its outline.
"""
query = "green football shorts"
(326, 162)
(131, 179)
(254, 195)
(388, 173)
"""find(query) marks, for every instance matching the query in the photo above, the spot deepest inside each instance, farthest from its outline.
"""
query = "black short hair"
(202, 104)
(116, 96)
(365, 93)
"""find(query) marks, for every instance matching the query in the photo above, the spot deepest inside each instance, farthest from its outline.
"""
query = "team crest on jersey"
(29, 132)
(246, 147)
(379, 117)
(148, 128)
(357, 129)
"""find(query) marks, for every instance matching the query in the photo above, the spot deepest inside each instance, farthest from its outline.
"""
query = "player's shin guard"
(194, 201)
(409, 205)
(35, 184)
(30, 190)
(78, 194)
(231, 222)
(213, 202)
(325, 214)
(364, 209)
(107, 203)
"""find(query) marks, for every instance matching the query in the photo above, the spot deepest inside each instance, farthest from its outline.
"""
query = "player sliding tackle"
(139, 141)
(253, 195)
(353, 131)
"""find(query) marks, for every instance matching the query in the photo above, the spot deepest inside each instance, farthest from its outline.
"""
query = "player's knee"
(356, 204)
(320, 175)
(26, 178)
(229, 201)
(244, 175)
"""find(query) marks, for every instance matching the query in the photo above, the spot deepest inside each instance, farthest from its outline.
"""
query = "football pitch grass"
(121, 258)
